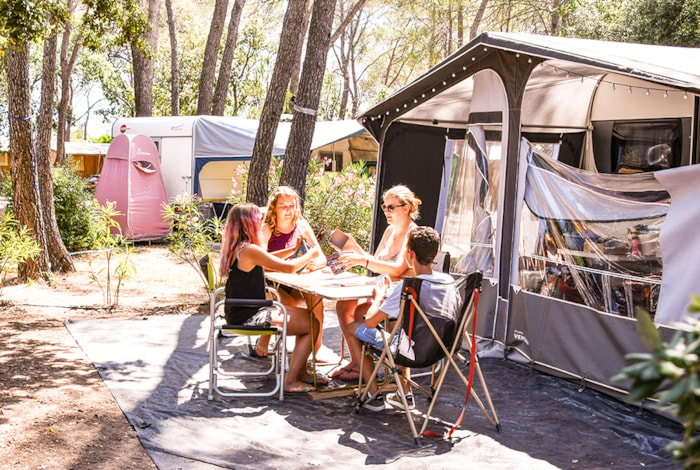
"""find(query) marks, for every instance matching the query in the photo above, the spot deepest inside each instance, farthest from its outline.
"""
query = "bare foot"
(298, 387)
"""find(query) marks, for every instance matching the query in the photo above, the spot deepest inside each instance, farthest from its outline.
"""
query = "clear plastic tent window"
(591, 238)
(472, 209)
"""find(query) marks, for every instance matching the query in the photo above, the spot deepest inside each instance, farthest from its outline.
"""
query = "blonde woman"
(243, 263)
(282, 233)
(401, 209)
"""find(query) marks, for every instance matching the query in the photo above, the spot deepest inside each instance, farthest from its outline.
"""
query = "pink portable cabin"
(132, 179)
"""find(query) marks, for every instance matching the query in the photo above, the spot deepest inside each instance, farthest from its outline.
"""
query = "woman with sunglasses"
(243, 263)
(283, 231)
(400, 207)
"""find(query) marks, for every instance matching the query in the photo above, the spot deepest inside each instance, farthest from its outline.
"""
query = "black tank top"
(243, 285)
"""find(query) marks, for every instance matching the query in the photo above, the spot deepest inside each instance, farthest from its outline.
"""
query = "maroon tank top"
(283, 240)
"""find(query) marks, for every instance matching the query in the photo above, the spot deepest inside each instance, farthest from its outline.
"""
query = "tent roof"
(85, 148)
(235, 137)
(447, 85)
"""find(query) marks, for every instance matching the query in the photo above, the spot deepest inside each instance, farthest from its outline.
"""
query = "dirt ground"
(55, 411)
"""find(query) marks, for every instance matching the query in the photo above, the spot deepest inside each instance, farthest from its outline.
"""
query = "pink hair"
(242, 226)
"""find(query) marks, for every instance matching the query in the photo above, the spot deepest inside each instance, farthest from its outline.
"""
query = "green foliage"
(111, 242)
(666, 22)
(341, 200)
(16, 245)
(334, 200)
(103, 139)
(671, 374)
(192, 235)
(76, 210)
(23, 21)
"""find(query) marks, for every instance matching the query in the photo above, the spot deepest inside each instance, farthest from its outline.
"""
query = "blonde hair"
(406, 196)
(271, 212)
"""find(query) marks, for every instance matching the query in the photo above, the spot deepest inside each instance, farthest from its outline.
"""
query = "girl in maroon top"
(282, 233)
(243, 262)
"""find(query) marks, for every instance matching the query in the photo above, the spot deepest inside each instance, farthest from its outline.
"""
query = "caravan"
(564, 169)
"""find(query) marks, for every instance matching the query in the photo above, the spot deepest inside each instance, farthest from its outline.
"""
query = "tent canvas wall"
(520, 147)
(200, 154)
(131, 179)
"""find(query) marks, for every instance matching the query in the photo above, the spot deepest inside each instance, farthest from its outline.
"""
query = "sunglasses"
(391, 208)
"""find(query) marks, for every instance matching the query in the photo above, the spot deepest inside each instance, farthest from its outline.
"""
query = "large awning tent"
(565, 170)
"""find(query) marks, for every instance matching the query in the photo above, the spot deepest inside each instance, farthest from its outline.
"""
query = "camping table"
(325, 285)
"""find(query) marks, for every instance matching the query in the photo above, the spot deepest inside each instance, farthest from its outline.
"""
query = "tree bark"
(25, 198)
(174, 61)
(296, 159)
(206, 78)
(294, 76)
(274, 101)
(224, 79)
(66, 64)
(143, 63)
(59, 257)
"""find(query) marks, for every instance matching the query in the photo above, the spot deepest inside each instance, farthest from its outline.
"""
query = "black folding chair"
(431, 338)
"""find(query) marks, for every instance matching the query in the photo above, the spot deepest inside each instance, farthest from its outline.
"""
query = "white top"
(438, 296)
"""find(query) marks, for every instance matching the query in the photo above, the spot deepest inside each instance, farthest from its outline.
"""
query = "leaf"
(647, 330)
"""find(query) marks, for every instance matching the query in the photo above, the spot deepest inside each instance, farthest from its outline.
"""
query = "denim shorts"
(373, 336)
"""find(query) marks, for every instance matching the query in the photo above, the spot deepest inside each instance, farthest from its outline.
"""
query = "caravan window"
(645, 146)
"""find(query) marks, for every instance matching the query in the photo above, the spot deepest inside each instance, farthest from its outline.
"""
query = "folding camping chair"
(431, 338)
(219, 330)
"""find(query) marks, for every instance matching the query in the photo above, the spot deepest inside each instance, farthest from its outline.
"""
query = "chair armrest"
(248, 303)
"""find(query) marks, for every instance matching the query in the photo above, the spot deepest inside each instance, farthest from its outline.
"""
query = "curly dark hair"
(425, 243)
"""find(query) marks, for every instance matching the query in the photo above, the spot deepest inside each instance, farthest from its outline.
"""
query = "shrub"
(670, 374)
(191, 235)
(110, 241)
(76, 210)
(16, 246)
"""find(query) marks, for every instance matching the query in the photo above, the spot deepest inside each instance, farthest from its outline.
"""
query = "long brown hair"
(271, 214)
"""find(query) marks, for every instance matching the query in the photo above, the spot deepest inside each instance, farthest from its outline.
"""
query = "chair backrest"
(424, 349)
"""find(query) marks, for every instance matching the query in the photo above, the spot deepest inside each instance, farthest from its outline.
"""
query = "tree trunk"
(296, 159)
(477, 19)
(58, 255)
(294, 76)
(66, 64)
(143, 63)
(206, 79)
(274, 101)
(25, 200)
(174, 62)
(224, 79)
